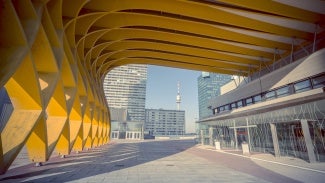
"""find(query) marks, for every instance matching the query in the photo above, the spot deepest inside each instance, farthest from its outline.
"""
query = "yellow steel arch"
(56, 53)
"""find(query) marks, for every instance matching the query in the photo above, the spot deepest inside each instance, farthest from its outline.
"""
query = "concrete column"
(308, 141)
(211, 136)
(235, 133)
(275, 140)
(248, 135)
(202, 137)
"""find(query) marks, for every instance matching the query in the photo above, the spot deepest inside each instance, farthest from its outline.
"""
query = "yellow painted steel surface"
(55, 54)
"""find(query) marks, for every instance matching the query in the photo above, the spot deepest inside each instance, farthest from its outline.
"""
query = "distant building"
(165, 122)
(125, 88)
(122, 127)
(208, 87)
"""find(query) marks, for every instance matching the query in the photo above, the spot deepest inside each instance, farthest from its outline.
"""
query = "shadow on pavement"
(104, 159)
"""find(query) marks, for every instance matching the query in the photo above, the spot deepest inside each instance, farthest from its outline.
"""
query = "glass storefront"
(256, 131)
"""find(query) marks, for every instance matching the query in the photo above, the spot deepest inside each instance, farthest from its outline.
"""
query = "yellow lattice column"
(86, 128)
(94, 127)
(78, 144)
(14, 43)
(108, 126)
(24, 92)
(75, 121)
(76, 130)
(88, 140)
(37, 142)
(47, 46)
(37, 85)
(56, 116)
(104, 136)
(100, 128)
(63, 144)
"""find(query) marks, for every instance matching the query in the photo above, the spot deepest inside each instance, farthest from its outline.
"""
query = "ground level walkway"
(166, 161)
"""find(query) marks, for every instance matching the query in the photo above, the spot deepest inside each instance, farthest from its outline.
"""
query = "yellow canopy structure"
(56, 53)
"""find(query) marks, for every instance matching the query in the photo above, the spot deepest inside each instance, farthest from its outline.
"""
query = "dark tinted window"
(319, 81)
(269, 95)
(249, 101)
(257, 98)
(302, 86)
(233, 106)
(283, 91)
(240, 103)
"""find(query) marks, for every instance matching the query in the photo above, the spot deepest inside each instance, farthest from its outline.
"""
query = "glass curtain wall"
(256, 131)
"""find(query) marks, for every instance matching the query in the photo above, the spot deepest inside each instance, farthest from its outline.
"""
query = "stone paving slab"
(157, 161)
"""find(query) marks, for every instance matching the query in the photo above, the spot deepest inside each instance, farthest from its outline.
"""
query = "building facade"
(160, 122)
(208, 87)
(122, 127)
(279, 111)
(125, 88)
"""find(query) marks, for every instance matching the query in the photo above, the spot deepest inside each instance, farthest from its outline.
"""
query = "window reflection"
(284, 91)
(307, 84)
(249, 101)
(227, 108)
(257, 98)
(319, 81)
(302, 86)
(239, 103)
(269, 95)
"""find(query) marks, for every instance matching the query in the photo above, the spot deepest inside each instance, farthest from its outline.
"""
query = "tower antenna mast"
(178, 97)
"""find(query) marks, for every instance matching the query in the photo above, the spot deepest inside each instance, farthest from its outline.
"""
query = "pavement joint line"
(274, 162)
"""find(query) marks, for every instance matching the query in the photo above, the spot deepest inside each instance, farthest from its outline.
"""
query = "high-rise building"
(125, 88)
(165, 122)
(209, 86)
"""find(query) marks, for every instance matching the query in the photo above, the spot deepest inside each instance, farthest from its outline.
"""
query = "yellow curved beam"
(280, 9)
(188, 40)
(215, 13)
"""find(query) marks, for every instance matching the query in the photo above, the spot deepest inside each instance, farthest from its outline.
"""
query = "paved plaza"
(166, 161)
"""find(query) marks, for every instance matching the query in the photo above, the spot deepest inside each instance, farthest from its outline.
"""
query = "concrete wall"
(303, 68)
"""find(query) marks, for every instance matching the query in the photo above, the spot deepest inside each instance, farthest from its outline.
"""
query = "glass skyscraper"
(209, 86)
(125, 88)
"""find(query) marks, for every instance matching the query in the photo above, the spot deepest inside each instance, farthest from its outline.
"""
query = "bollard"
(245, 148)
(217, 144)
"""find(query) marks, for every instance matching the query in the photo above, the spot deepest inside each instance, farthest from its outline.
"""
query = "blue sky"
(162, 91)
